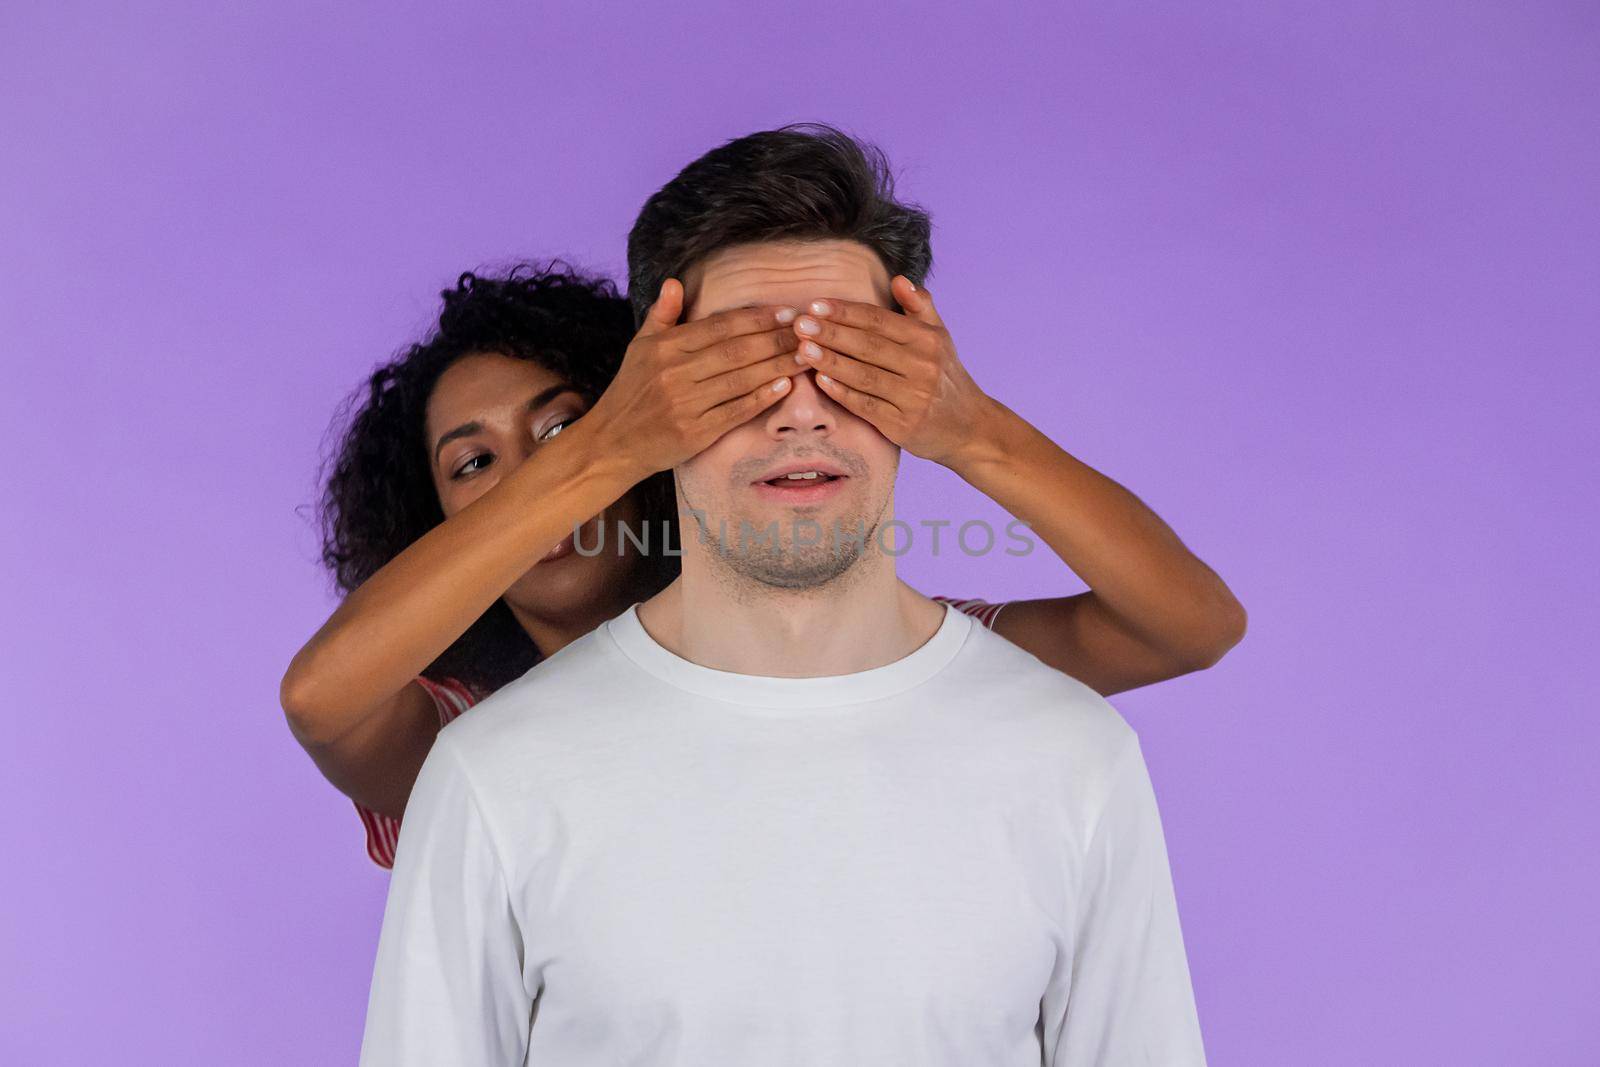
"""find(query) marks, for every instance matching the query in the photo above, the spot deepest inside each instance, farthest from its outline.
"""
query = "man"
(789, 811)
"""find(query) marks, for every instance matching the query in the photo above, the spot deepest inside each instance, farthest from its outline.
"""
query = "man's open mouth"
(802, 479)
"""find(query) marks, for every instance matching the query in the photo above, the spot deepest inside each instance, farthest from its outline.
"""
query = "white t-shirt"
(624, 857)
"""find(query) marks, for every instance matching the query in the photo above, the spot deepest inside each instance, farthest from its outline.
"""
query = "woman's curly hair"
(379, 496)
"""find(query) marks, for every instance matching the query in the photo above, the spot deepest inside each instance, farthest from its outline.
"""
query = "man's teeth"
(802, 476)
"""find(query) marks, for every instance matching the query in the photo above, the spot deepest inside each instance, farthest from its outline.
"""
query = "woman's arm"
(349, 694)
(1153, 610)
(387, 631)
(376, 762)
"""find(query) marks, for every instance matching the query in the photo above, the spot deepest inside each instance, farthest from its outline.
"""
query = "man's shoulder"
(561, 694)
(1014, 686)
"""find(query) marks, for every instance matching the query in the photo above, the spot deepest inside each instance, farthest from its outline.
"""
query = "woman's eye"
(555, 428)
(468, 468)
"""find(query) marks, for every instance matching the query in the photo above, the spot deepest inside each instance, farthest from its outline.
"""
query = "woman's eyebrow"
(467, 429)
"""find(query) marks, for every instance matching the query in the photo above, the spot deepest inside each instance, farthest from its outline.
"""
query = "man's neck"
(863, 619)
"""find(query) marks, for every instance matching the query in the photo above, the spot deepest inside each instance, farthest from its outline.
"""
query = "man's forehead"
(785, 272)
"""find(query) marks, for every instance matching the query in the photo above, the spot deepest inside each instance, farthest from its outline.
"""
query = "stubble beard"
(803, 554)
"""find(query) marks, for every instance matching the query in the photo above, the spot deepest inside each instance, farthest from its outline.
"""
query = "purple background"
(1318, 282)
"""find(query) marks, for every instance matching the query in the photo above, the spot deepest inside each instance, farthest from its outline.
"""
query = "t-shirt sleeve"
(450, 699)
(448, 984)
(983, 610)
(1129, 998)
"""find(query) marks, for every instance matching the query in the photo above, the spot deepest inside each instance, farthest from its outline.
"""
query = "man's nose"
(806, 410)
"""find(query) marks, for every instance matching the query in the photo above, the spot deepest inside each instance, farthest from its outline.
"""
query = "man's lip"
(799, 494)
(795, 468)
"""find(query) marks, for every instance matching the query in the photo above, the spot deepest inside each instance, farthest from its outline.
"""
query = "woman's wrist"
(994, 435)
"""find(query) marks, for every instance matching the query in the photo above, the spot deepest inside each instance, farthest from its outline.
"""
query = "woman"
(449, 512)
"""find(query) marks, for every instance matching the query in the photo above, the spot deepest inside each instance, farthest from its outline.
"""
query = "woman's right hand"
(680, 387)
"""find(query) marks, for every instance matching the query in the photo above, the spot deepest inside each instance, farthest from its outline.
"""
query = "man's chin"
(785, 538)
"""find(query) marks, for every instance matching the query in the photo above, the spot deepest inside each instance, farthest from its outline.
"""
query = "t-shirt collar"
(760, 691)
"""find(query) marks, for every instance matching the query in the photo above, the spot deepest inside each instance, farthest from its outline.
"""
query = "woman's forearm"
(398, 621)
(1135, 566)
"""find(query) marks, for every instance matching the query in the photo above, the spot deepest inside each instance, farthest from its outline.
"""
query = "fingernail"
(821, 307)
(824, 379)
(780, 385)
(808, 326)
(810, 349)
(786, 315)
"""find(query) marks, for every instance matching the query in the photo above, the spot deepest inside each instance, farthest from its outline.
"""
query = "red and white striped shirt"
(451, 698)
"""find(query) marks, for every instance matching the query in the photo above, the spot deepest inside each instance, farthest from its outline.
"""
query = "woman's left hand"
(899, 372)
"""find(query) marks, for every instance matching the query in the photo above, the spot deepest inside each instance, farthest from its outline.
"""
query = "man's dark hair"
(379, 497)
(805, 181)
